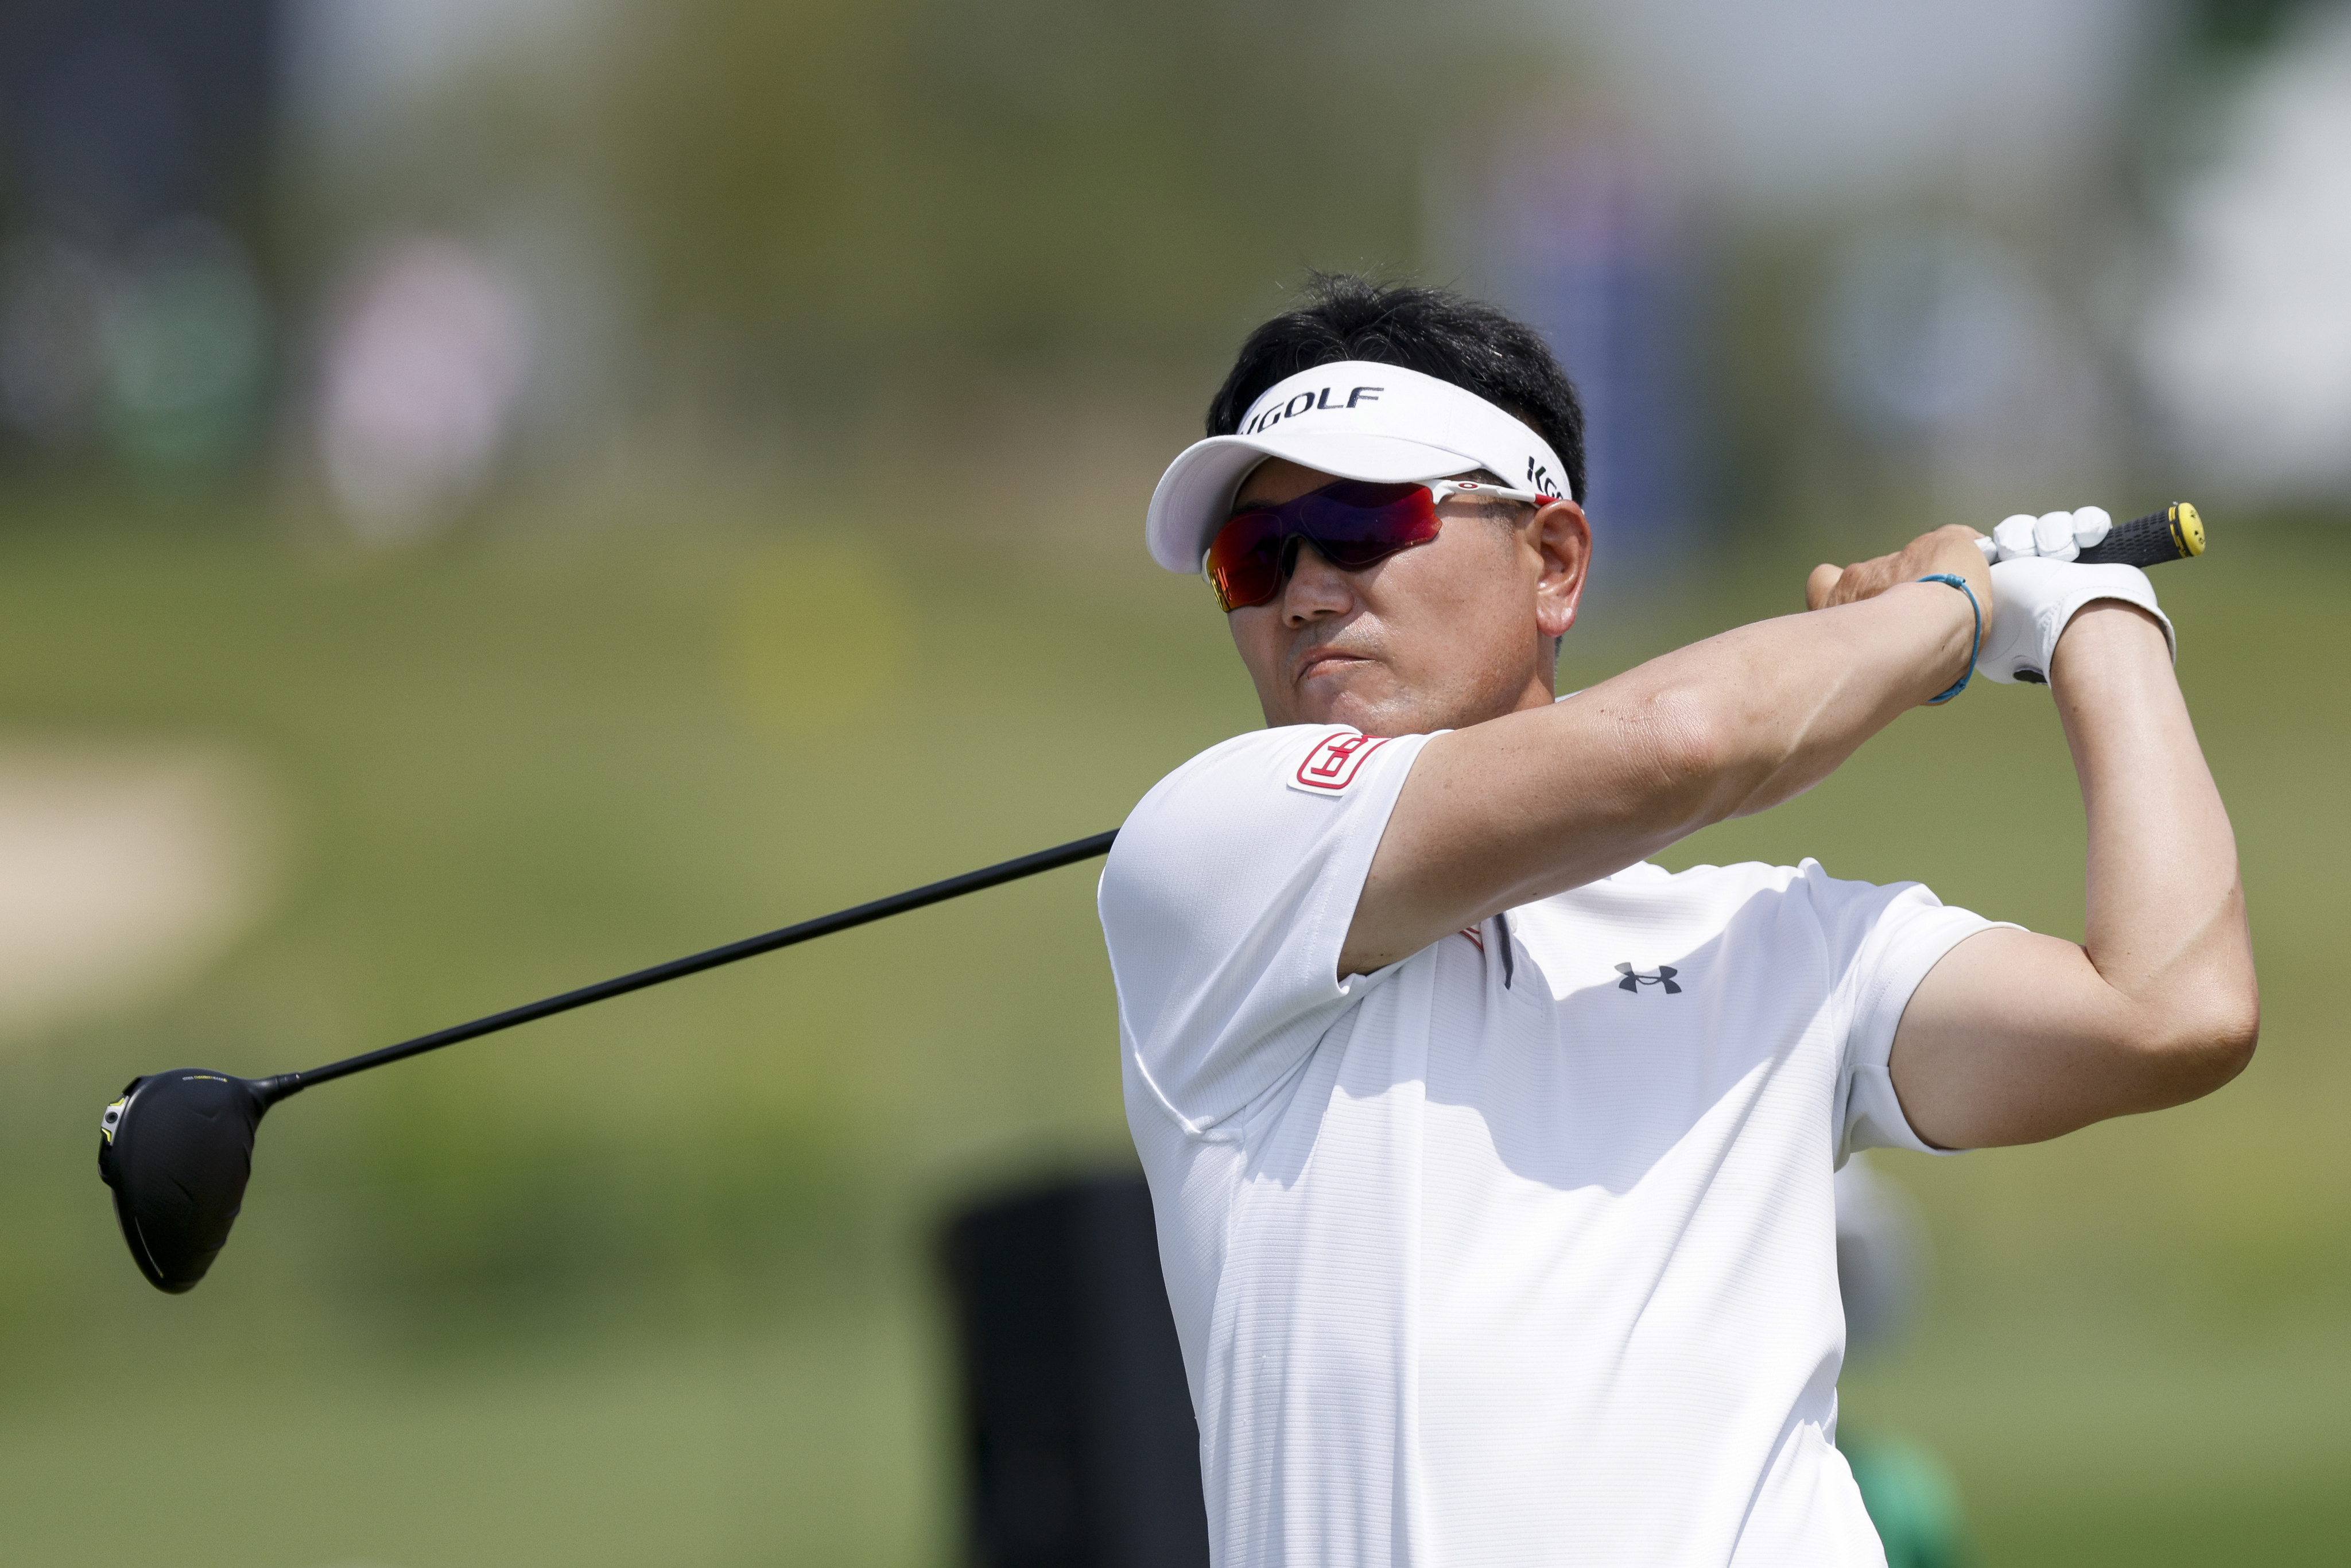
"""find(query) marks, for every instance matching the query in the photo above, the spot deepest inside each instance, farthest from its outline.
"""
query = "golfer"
(1493, 1163)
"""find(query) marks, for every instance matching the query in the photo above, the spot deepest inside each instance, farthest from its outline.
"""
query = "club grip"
(2174, 533)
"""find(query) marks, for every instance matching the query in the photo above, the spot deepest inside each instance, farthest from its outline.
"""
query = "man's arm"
(2014, 1038)
(1534, 803)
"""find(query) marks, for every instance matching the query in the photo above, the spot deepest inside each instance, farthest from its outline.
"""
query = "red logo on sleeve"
(1333, 763)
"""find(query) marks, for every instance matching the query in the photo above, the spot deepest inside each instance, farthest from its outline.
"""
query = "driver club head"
(177, 1149)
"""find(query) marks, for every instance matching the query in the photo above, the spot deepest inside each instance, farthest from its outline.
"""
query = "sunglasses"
(1352, 524)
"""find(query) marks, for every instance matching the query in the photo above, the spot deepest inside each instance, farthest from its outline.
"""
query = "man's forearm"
(1773, 709)
(2165, 924)
(1537, 802)
(2014, 1037)
(1807, 690)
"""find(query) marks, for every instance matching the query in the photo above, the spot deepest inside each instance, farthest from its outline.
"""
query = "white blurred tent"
(2248, 344)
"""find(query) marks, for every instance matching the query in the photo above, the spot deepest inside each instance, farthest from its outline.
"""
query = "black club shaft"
(278, 1088)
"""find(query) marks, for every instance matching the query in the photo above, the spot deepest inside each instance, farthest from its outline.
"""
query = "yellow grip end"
(2187, 529)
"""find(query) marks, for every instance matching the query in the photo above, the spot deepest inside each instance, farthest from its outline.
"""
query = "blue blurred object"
(118, 113)
(1599, 256)
(134, 139)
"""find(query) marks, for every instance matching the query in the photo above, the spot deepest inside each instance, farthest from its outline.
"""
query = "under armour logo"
(1633, 979)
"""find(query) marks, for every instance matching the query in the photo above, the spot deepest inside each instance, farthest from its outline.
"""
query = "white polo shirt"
(1523, 1250)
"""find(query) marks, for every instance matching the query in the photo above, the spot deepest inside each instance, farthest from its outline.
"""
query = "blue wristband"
(1956, 687)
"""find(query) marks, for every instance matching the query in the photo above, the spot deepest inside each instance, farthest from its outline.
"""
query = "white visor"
(1353, 420)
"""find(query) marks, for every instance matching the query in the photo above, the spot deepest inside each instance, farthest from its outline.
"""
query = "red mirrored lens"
(1354, 524)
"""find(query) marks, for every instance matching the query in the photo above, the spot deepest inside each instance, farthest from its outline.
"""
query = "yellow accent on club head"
(2187, 529)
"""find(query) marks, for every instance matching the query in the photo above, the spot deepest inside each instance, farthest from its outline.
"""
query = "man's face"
(1446, 634)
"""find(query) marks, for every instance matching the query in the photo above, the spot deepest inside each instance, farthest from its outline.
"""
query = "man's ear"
(1563, 541)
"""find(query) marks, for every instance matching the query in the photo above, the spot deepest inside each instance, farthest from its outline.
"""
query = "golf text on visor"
(1352, 420)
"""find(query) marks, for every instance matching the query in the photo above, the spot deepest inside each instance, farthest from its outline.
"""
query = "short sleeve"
(1882, 941)
(1227, 900)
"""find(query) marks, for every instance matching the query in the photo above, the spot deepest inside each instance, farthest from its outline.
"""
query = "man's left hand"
(1951, 549)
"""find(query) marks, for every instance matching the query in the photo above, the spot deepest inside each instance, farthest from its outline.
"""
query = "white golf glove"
(2053, 536)
(2034, 597)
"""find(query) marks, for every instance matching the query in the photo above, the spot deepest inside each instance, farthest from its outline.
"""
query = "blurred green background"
(566, 489)
(651, 1284)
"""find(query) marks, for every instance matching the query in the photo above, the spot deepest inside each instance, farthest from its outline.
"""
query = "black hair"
(1432, 330)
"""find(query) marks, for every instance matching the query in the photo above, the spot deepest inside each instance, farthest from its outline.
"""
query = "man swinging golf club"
(1492, 1164)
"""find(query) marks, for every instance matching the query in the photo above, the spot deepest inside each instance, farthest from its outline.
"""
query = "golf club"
(177, 1147)
(2175, 533)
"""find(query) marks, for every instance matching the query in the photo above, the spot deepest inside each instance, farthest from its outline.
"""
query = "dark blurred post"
(1078, 1433)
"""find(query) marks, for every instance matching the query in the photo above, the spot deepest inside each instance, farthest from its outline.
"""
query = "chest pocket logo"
(1633, 979)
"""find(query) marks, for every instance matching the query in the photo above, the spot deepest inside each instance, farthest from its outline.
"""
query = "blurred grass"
(650, 1284)
(805, 1447)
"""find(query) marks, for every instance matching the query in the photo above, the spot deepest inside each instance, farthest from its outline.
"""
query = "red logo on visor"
(1333, 765)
